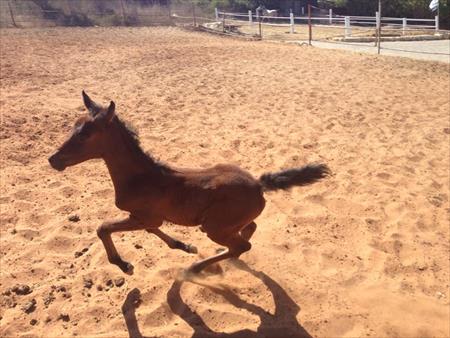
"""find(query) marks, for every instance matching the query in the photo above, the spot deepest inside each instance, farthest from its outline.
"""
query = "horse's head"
(88, 138)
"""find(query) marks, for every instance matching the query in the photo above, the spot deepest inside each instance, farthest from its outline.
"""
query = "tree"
(393, 8)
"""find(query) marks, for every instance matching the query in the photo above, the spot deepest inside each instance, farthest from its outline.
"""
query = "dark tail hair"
(285, 179)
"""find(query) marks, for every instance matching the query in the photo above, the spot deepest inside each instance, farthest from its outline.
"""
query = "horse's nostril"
(52, 159)
(56, 163)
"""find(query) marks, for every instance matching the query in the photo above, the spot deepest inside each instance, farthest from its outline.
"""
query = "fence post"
(223, 22)
(292, 23)
(379, 27)
(216, 11)
(12, 15)
(309, 24)
(260, 24)
(169, 11)
(436, 22)
(123, 13)
(193, 14)
(404, 24)
(348, 30)
(303, 10)
(377, 23)
(331, 16)
(250, 18)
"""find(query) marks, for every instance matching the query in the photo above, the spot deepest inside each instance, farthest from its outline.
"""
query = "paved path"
(435, 50)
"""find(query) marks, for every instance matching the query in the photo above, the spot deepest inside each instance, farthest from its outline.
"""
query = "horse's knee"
(102, 230)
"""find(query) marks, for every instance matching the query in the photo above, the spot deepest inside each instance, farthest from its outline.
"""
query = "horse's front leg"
(104, 232)
(172, 242)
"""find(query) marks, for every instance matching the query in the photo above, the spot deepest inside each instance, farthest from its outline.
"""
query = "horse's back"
(219, 176)
(233, 196)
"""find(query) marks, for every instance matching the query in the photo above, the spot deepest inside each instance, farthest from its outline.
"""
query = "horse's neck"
(125, 159)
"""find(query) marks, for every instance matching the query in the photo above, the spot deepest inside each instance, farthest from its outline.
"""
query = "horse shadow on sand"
(283, 323)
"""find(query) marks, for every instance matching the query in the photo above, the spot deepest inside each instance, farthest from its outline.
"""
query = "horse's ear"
(108, 115)
(90, 105)
(87, 100)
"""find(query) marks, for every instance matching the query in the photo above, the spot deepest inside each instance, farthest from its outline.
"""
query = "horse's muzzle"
(56, 163)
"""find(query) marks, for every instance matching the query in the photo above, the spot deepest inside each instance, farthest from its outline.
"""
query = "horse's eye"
(85, 132)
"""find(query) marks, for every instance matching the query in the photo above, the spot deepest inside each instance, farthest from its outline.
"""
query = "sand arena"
(363, 253)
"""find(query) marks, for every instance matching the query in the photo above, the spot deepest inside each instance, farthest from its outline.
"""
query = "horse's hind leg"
(171, 242)
(236, 246)
(104, 232)
(248, 231)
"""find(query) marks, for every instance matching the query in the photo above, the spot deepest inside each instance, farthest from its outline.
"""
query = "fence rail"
(331, 29)
(406, 25)
(315, 26)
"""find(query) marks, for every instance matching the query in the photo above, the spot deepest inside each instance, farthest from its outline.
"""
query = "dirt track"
(364, 253)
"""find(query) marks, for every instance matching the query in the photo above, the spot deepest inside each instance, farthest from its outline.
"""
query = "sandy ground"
(363, 253)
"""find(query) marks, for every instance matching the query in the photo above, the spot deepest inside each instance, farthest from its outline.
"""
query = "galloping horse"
(224, 200)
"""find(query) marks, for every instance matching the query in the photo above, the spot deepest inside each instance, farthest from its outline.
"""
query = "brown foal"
(224, 200)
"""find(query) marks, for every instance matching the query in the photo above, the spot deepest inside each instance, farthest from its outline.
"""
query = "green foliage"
(236, 5)
(53, 12)
(444, 14)
(392, 8)
(397, 8)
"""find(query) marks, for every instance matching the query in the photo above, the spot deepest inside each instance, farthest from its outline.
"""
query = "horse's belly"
(182, 220)
(183, 214)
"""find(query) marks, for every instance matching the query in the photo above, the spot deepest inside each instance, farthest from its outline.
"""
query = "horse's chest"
(126, 203)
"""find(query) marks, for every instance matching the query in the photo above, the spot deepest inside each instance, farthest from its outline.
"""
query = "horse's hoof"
(130, 269)
(191, 249)
(127, 268)
(132, 301)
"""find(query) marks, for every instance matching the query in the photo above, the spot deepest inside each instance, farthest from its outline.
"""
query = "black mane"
(131, 137)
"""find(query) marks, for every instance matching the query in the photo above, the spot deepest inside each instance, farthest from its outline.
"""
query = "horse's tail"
(285, 179)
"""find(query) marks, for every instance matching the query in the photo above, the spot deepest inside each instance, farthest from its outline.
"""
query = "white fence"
(404, 25)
